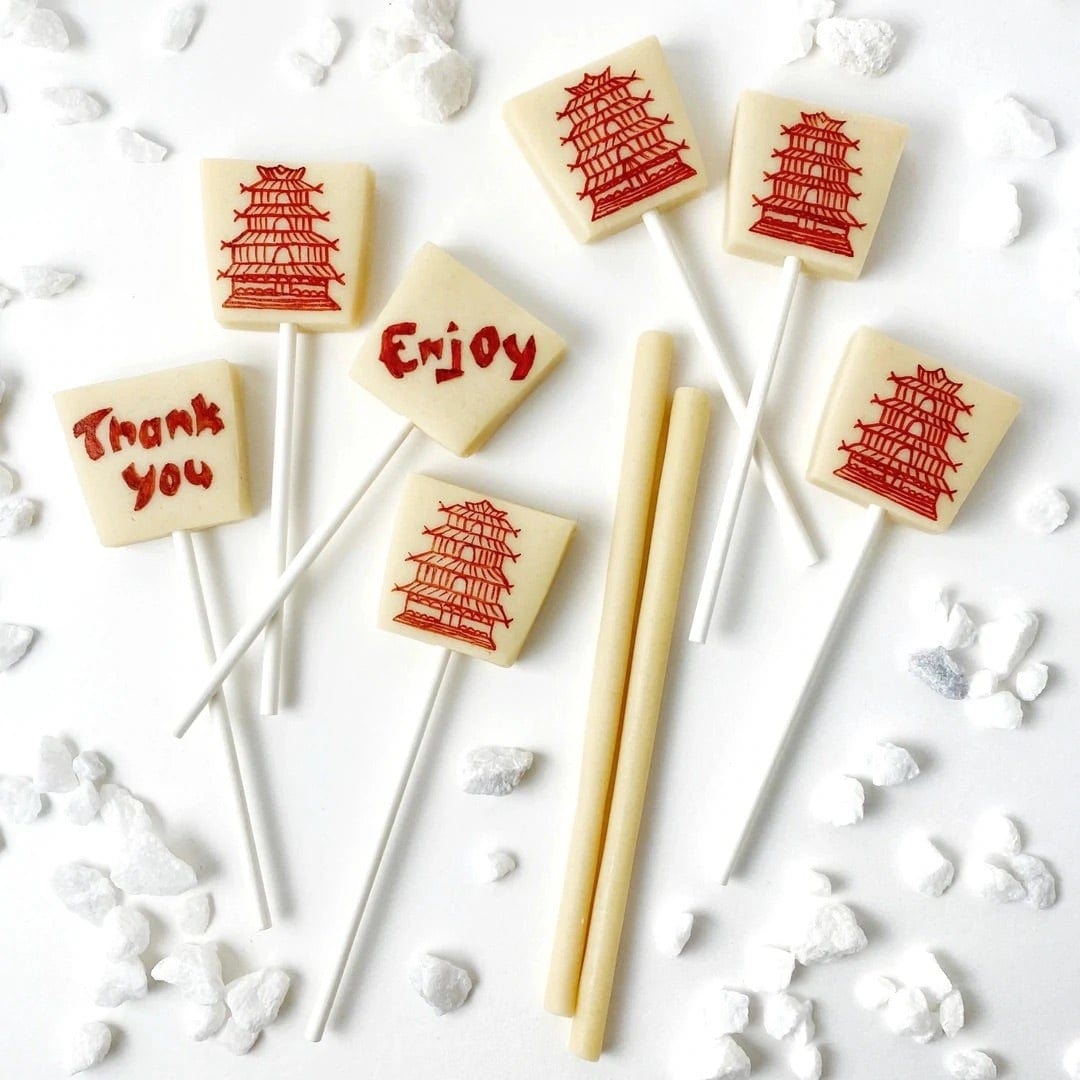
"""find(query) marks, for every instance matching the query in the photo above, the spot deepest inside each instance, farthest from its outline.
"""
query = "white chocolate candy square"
(468, 572)
(453, 354)
(808, 181)
(906, 432)
(287, 243)
(610, 140)
(159, 452)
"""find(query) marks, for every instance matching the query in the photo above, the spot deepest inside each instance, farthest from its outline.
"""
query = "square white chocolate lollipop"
(610, 140)
(161, 452)
(468, 572)
(808, 181)
(453, 354)
(287, 243)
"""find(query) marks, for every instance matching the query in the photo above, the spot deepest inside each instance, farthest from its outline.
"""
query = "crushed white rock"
(951, 1013)
(41, 282)
(813, 10)
(813, 882)
(12, 12)
(73, 105)
(202, 1021)
(1040, 888)
(236, 1039)
(717, 1011)
(971, 1065)
(193, 913)
(996, 834)
(890, 765)
(254, 999)
(16, 516)
(786, 1016)
(42, 28)
(493, 770)
(14, 641)
(872, 992)
(430, 16)
(838, 800)
(1002, 710)
(1070, 1060)
(959, 629)
(829, 932)
(767, 968)
(940, 672)
(1007, 128)
(805, 1062)
(19, 799)
(305, 69)
(491, 866)
(120, 810)
(1031, 681)
(437, 81)
(136, 147)
(798, 43)
(923, 867)
(178, 26)
(322, 40)
(921, 968)
(84, 891)
(195, 970)
(145, 866)
(982, 683)
(443, 985)
(83, 805)
(7, 477)
(859, 46)
(89, 765)
(907, 1012)
(1004, 641)
(991, 216)
(704, 1059)
(87, 1046)
(1044, 511)
(6, 294)
(54, 766)
(126, 933)
(671, 931)
(995, 883)
(124, 980)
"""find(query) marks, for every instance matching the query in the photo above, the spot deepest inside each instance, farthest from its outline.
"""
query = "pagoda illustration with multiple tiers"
(621, 149)
(811, 188)
(279, 260)
(460, 580)
(902, 455)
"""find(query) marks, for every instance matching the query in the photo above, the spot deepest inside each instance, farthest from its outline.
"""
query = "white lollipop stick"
(321, 1013)
(873, 519)
(740, 466)
(308, 553)
(184, 547)
(279, 510)
(791, 522)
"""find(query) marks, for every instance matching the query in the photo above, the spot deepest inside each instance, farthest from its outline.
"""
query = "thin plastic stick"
(184, 547)
(324, 1005)
(872, 523)
(280, 486)
(740, 465)
(308, 553)
(791, 522)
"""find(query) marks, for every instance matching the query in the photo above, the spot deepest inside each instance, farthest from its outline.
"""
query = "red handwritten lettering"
(86, 429)
(120, 429)
(143, 486)
(522, 359)
(170, 480)
(178, 420)
(202, 477)
(484, 345)
(206, 416)
(150, 433)
(391, 348)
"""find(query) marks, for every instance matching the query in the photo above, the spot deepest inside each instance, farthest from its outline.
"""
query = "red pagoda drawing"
(811, 189)
(460, 581)
(622, 150)
(279, 260)
(903, 455)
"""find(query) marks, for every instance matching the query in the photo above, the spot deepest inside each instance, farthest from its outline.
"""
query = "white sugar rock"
(136, 147)
(1040, 888)
(671, 931)
(436, 82)
(767, 968)
(145, 866)
(923, 867)
(951, 1013)
(786, 1016)
(982, 683)
(805, 1062)
(1044, 511)
(86, 1047)
(940, 672)
(995, 883)
(908, 1013)
(717, 1011)
(382, 46)
(491, 866)
(429, 16)
(125, 932)
(236, 1039)
(997, 834)
(702, 1059)
(6, 294)
(178, 26)
(16, 516)
(14, 641)
(872, 992)
(305, 69)
(493, 770)
(921, 968)
(12, 12)
(254, 1000)
(1031, 681)
(73, 105)
(1070, 1061)
(890, 765)
(7, 477)
(1001, 710)
(193, 913)
(42, 28)
(195, 970)
(202, 1021)
(89, 765)
(41, 282)
(971, 1065)
(813, 882)
(859, 46)
(959, 629)
(443, 985)
(84, 890)
(813, 10)
(124, 980)
(991, 216)
(1007, 128)
(322, 40)
(799, 40)
(1004, 641)
(54, 766)
(19, 799)
(829, 932)
(120, 810)
(83, 805)
(838, 800)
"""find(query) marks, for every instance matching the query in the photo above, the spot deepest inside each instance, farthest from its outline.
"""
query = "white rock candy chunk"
(14, 641)
(437, 81)
(872, 992)
(73, 105)
(7, 477)
(41, 282)
(19, 799)
(430, 16)
(940, 672)
(798, 42)
(959, 629)
(982, 683)
(1007, 128)
(122, 981)
(908, 1013)
(136, 147)
(767, 968)
(997, 834)
(202, 1021)
(86, 1047)
(125, 932)
(786, 1016)
(12, 12)
(236, 1039)
(146, 867)
(42, 28)
(1070, 1060)
(6, 294)
(492, 866)
(995, 883)
(1031, 681)
(923, 867)
(83, 805)
(195, 970)
(838, 800)
(322, 41)
(971, 1065)
(54, 766)
(1044, 511)
(860, 46)
(89, 765)
(120, 810)
(1040, 888)
(671, 931)
(16, 516)
(254, 1000)
(813, 10)
(805, 1062)
(193, 913)
(493, 770)
(921, 968)
(84, 890)
(951, 1013)
(814, 882)
(707, 1059)
(1001, 710)
(991, 216)
(306, 70)
(178, 26)
(830, 932)
(1004, 641)
(717, 1011)
(443, 985)
(890, 765)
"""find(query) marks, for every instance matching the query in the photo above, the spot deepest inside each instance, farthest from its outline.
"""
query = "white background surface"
(115, 654)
